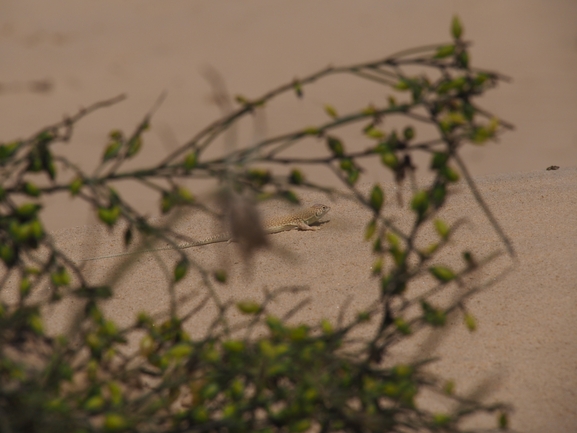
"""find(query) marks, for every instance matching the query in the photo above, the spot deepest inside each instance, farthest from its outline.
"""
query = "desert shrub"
(289, 377)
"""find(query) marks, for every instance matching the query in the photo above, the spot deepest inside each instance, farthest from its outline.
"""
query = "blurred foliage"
(292, 377)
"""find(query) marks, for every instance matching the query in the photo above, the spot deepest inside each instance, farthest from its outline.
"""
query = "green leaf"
(180, 270)
(469, 259)
(147, 345)
(249, 307)
(480, 135)
(442, 273)
(420, 203)
(184, 195)
(75, 186)
(450, 174)
(369, 111)
(409, 133)
(241, 100)
(220, 276)
(456, 28)
(330, 110)
(336, 146)
(353, 177)
(115, 422)
(290, 196)
(296, 177)
(28, 211)
(503, 421)
(377, 198)
(7, 254)
(190, 161)
(311, 130)
(8, 150)
(347, 165)
(327, 327)
(298, 88)
(233, 346)
(439, 160)
(116, 134)
(390, 160)
(378, 245)
(433, 316)
(128, 236)
(166, 202)
(370, 230)
(377, 267)
(25, 286)
(374, 133)
(115, 393)
(94, 404)
(111, 150)
(403, 84)
(31, 189)
(402, 326)
(109, 216)
(463, 60)
(442, 228)
(181, 350)
(36, 230)
(300, 426)
(134, 146)
(35, 323)
(438, 194)
(60, 277)
(445, 51)
(258, 176)
(441, 419)
(470, 322)
(449, 387)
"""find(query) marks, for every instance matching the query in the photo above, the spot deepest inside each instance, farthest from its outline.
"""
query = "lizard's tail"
(130, 253)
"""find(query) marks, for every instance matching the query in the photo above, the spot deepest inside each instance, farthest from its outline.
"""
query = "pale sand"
(527, 321)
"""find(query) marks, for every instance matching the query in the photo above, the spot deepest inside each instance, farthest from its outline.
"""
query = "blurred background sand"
(92, 50)
(82, 52)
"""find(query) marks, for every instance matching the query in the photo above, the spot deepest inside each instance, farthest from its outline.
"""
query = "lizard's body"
(299, 220)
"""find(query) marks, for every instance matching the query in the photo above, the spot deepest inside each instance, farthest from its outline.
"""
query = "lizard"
(300, 220)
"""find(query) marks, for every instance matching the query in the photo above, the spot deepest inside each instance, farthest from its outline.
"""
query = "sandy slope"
(525, 343)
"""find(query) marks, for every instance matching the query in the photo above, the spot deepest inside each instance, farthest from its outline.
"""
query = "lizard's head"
(320, 210)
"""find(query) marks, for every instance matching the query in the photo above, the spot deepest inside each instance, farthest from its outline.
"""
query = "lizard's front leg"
(304, 226)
